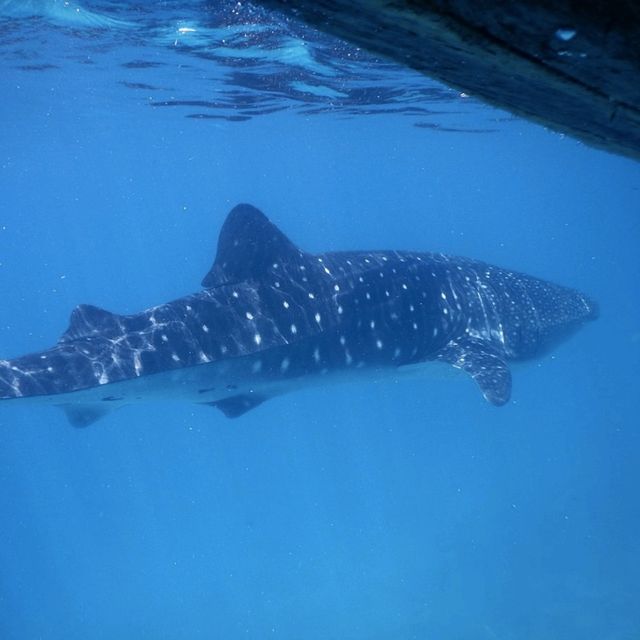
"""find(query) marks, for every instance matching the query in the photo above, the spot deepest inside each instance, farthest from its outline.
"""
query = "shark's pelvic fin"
(483, 364)
(236, 406)
(84, 414)
(249, 243)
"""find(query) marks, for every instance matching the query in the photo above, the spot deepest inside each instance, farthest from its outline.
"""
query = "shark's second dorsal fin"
(248, 244)
(87, 320)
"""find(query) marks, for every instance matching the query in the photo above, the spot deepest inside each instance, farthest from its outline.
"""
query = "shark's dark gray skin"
(272, 318)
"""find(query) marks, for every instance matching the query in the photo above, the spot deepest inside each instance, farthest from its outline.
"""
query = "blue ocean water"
(408, 509)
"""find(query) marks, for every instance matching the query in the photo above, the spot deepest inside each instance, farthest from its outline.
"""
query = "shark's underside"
(272, 318)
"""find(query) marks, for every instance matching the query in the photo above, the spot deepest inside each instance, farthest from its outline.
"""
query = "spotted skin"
(271, 318)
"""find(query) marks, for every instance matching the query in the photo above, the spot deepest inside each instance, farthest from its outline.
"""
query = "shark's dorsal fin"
(248, 244)
(87, 320)
(483, 364)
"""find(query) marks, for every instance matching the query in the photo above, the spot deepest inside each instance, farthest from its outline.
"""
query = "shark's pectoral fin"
(83, 414)
(238, 405)
(483, 364)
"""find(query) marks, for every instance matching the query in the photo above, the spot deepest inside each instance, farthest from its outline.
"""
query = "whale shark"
(271, 318)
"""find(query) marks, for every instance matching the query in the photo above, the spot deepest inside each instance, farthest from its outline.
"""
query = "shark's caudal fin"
(248, 243)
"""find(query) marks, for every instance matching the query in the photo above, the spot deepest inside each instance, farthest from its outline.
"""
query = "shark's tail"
(8, 387)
